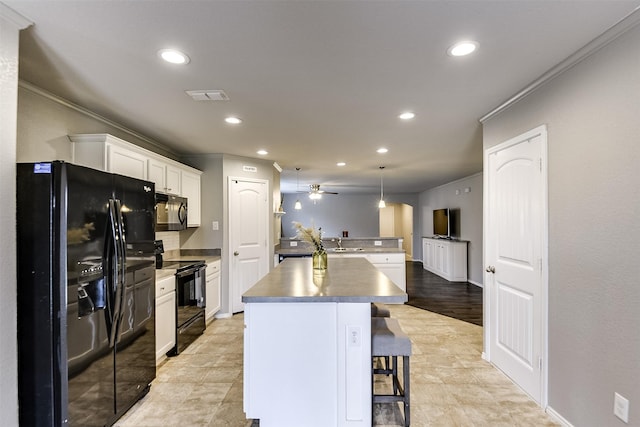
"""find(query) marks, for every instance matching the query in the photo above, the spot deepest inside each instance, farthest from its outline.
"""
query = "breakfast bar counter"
(307, 343)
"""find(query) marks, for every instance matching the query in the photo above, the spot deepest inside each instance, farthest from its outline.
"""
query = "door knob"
(490, 269)
(236, 253)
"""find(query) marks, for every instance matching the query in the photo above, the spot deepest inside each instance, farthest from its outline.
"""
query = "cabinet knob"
(490, 269)
(236, 253)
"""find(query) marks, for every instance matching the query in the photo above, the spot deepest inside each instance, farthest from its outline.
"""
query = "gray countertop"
(345, 280)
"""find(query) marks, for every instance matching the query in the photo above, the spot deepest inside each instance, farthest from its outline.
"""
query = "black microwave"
(171, 212)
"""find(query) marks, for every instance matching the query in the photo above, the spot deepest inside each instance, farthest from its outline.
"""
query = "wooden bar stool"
(388, 339)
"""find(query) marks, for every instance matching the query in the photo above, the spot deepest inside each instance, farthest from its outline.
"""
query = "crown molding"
(10, 15)
(611, 34)
(66, 103)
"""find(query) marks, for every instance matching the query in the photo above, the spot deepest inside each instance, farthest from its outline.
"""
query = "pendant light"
(298, 205)
(381, 204)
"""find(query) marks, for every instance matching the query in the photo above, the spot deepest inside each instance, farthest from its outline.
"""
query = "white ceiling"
(316, 82)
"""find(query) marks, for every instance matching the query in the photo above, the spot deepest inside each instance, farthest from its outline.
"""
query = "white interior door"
(248, 222)
(515, 254)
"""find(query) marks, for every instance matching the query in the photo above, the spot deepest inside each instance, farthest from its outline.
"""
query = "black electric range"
(190, 301)
(181, 265)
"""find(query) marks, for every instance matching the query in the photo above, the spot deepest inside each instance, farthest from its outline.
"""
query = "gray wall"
(593, 116)
(217, 168)
(44, 123)
(356, 213)
(8, 313)
(468, 207)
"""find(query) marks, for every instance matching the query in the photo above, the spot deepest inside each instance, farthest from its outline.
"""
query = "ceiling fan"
(315, 192)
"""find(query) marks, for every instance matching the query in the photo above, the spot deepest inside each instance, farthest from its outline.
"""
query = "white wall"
(10, 24)
(468, 206)
(593, 116)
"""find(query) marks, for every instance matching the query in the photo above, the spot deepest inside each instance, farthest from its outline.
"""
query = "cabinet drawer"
(165, 285)
(386, 258)
(213, 268)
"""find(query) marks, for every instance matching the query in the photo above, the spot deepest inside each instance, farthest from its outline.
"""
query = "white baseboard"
(557, 417)
(480, 285)
(223, 315)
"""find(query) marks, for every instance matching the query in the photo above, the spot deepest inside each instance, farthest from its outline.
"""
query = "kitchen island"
(307, 343)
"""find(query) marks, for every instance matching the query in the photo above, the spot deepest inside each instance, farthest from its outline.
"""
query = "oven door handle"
(189, 271)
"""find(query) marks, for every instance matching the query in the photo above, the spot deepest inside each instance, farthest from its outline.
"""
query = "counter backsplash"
(346, 242)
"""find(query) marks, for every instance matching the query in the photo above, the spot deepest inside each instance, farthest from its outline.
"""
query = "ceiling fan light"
(298, 205)
(315, 196)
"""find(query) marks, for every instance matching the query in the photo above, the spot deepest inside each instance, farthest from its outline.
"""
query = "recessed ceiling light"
(262, 152)
(381, 150)
(407, 116)
(463, 48)
(233, 120)
(341, 164)
(174, 56)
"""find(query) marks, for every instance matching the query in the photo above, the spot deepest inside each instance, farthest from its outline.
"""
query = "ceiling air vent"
(208, 95)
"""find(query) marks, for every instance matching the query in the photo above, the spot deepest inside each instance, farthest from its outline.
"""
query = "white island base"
(297, 353)
(307, 347)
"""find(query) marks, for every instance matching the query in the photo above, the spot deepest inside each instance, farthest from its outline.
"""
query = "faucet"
(340, 242)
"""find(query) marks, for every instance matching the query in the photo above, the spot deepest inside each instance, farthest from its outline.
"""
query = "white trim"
(473, 282)
(615, 31)
(66, 103)
(557, 417)
(11, 16)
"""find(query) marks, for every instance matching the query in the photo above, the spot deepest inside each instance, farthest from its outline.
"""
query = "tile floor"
(450, 384)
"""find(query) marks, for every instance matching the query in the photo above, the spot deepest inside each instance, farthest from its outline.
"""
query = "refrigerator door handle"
(122, 252)
(115, 289)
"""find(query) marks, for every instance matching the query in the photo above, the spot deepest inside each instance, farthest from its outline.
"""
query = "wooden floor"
(428, 291)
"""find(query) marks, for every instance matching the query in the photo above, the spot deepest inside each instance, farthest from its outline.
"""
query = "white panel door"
(514, 250)
(248, 222)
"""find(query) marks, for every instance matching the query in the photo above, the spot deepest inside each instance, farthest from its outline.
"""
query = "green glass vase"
(320, 260)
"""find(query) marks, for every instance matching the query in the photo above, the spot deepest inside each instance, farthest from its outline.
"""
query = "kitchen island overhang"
(307, 343)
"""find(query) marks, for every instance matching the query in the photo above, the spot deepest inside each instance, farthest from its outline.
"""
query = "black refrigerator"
(86, 294)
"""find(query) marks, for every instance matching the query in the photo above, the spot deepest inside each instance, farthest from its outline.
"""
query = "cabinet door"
(165, 323)
(126, 162)
(395, 272)
(173, 180)
(156, 171)
(213, 295)
(191, 190)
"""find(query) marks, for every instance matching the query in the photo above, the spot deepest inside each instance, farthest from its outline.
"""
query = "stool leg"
(394, 374)
(405, 374)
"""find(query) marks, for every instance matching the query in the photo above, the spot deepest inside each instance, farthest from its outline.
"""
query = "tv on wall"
(442, 223)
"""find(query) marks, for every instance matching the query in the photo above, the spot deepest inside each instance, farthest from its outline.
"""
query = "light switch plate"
(621, 407)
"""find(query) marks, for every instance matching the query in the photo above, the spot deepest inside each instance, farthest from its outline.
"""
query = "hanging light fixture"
(298, 205)
(381, 204)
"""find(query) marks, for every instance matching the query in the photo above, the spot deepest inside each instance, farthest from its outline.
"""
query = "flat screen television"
(442, 223)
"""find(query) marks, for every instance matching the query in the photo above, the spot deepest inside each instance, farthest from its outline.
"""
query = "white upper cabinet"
(166, 177)
(191, 190)
(108, 153)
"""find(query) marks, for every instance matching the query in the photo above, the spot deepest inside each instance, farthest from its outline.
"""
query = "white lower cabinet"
(392, 264)
(446, 258)
(212, 290)
(165, 315)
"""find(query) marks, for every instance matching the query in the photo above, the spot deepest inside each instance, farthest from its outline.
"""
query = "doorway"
(396, 220)
(515, 224)
(248, 234)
